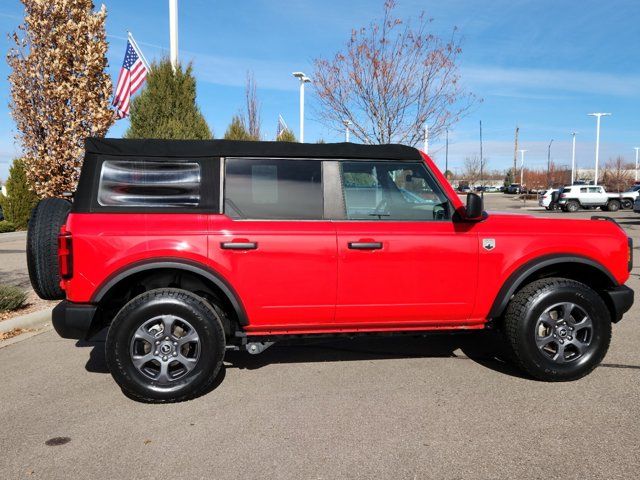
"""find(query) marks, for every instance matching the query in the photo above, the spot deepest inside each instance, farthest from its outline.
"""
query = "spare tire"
(42, 247)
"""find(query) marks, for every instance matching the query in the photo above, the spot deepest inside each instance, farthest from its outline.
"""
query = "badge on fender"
(488, 243)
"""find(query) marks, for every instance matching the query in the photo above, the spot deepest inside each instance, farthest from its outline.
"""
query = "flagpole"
(135, 46)
(173, 33)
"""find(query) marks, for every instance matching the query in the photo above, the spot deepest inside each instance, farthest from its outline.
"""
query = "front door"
(273, 244)
(402, 261)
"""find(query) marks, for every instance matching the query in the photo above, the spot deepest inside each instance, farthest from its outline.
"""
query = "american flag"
(132, 75)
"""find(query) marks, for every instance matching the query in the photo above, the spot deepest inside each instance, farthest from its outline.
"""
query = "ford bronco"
(185, 249)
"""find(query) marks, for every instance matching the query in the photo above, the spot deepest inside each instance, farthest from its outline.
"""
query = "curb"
(30, 320)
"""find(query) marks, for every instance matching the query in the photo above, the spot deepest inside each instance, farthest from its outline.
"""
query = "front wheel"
(557, 329)
(627, 203)
(165, 345)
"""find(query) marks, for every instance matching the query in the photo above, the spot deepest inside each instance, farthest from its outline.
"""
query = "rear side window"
(272, 189)
(130, 183)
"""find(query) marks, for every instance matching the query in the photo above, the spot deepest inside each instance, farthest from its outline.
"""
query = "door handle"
(239, 245)
(365, 245)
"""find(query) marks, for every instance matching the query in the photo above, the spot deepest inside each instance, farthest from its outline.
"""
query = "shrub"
(11, 298)
(20, 199)
(237, 130)
(6, 226)
(287, 135)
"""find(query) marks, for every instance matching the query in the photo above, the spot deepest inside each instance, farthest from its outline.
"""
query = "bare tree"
(391, 81)
(617, 175)
(253, 108)
(471, 169)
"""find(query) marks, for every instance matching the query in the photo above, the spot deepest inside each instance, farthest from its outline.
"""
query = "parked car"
(492, 189)
(574, 197)
(186, 249)
(515, 188)
(464, 188)
(546, 199)
(636, 205)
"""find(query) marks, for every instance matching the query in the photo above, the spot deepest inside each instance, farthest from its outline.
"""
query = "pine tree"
(166, 107)
(20, 199)
(60, 91)
(237, 130)
(287, 136)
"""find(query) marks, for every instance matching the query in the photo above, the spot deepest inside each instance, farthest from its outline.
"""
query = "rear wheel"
(626, 203)
(572, 206)
(613, 205)
(165, 345)
(557, 329)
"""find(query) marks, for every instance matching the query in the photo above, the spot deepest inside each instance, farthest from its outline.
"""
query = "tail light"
(563, 195)
(65, 253)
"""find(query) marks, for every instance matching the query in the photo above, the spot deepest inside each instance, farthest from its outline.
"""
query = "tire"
(572, 206)
(42, 247)
(604, 208)
(627, 204)
(530, 331)
(192, 365)
(613, 205)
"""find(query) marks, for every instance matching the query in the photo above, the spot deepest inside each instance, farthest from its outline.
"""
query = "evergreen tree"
(287, 136)
(237, 130)
(166, 107)
(20, 199)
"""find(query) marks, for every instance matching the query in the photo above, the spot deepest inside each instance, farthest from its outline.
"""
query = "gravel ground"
(405, 408)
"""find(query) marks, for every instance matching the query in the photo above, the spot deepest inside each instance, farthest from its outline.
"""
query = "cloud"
(526, 79)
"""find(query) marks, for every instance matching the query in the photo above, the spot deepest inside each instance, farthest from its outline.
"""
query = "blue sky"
(540, 64)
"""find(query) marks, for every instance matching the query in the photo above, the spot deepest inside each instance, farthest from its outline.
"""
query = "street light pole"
(173, 33)
(573, 158)
(598, 116)
(549, 164)
(303, 79)
(446, 155)
(522, 167)
(346, 123)
(636, 149)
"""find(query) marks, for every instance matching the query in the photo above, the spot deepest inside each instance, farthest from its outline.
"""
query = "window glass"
(594, 190)
(583, 189)
(273, 189)
(149, 183)
(392, 191)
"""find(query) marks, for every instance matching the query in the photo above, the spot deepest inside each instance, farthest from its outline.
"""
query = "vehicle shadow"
(484, 348)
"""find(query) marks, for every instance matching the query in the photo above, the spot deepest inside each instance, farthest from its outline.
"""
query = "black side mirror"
(475, 207)
(555, 196)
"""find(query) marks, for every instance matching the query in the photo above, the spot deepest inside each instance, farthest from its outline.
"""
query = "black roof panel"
(233, 148)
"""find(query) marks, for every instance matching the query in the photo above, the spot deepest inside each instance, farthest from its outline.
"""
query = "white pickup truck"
(574, 197)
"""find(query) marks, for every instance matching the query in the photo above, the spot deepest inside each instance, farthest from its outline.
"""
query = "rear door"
(274, 244)
(402, 261)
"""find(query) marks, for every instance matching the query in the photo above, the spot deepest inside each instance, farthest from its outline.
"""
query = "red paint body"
(302, 278)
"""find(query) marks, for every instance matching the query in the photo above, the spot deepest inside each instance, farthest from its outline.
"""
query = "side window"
(583, 189)
(149, 183)
(595, 190)
(273, 189)
(392, 191)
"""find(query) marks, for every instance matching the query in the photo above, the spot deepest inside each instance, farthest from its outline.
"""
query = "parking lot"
(438, 407)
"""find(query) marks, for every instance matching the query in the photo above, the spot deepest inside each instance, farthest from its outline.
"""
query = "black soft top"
(233, 148)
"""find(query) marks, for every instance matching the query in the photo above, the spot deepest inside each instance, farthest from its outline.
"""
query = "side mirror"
(555, 196)
(475, 207)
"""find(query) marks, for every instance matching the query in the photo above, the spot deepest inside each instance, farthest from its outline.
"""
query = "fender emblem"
(488, 243)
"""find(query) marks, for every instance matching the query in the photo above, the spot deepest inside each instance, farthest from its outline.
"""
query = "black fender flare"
(172, 263)
(515, 280)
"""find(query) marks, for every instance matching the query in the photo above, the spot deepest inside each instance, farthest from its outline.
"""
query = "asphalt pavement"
(440, 407)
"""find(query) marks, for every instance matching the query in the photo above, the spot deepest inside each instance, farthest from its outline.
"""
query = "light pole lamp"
(303, 79)
(598, 116)
(347, 124)
(636, 149)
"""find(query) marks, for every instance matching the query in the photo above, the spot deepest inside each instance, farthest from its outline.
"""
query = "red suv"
(187, 248)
